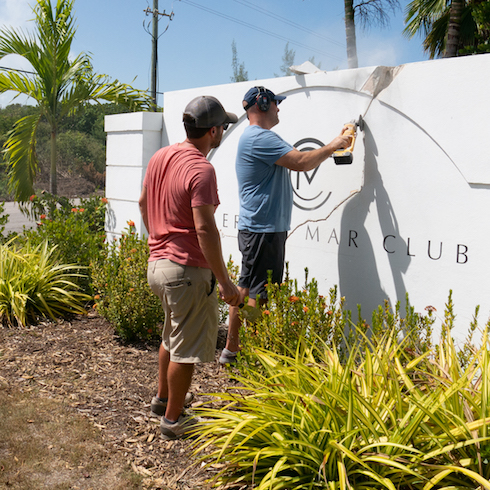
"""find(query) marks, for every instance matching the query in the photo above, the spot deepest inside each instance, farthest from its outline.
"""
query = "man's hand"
(229, 293)
(344, 139)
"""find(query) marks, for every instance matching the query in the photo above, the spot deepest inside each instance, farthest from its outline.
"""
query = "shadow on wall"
(358, 271)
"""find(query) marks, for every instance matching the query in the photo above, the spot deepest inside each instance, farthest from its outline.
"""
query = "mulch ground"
(84, 364)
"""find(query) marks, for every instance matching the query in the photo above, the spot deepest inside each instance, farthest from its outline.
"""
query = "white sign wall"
(410, 213)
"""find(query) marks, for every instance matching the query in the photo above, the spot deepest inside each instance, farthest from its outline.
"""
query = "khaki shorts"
(190, 303)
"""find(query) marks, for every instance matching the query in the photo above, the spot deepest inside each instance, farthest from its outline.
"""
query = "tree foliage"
(466, 24)
(287, 61)
(81, 144)
(239, 72)
(59, 87)
(365, 13)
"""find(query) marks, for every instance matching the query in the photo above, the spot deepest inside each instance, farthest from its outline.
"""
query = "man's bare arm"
(302, 161)
(210, 243)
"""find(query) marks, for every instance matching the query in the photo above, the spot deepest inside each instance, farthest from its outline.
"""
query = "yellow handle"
(350, 131)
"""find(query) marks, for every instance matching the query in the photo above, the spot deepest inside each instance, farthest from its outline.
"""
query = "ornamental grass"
(382, 419)
(34, 285)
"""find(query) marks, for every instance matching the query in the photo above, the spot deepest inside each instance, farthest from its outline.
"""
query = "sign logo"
(309, 187)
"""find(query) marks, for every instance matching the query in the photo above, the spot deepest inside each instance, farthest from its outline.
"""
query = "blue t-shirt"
(266, 194)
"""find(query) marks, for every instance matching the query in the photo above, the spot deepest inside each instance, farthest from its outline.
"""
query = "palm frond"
(19, 83)
(20, 150)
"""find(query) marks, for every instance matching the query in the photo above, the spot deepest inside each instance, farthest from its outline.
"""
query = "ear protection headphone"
(263, 99)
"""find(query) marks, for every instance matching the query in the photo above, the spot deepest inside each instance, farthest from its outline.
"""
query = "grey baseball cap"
(206, 111)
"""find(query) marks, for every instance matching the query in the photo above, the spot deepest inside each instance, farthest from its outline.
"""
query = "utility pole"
(154, 48)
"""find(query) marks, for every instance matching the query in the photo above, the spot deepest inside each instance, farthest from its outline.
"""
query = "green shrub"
(294, 313)
(89, 210)
(123, 295)
(233, 272)
(33, 284)
(4, 218)
(76, 230)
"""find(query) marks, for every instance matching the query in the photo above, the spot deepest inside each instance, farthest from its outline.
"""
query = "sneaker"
(158, 407)
(227, 357)
(183, 427)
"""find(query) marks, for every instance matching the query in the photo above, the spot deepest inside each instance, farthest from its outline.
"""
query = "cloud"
(15, 13)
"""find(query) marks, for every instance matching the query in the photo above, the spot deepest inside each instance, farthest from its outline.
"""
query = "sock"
(228, 352)
(169, 421)
(163, 400)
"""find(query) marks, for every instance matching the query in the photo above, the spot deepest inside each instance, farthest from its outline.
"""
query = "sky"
(196, 36)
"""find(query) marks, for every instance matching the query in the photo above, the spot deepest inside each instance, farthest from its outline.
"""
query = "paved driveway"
(17, 220)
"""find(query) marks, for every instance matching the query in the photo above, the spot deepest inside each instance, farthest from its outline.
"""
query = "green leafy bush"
(76, 230)
(123, 295)
(34, 284)
(233, 272)
(4, 218)
(90, 210)
(380, 419)
(294, 313)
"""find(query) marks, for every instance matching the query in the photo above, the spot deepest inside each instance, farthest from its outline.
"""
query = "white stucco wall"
(407, 216)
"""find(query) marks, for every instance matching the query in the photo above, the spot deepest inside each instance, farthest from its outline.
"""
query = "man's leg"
(179, 377)
(163, 360)
(234, 322)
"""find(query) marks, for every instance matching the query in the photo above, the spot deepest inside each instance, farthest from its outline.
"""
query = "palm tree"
(350, 34)
(451, 27)
(365, 13)
(58, 85)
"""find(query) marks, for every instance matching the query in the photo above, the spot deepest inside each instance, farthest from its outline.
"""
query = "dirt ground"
(83, 364)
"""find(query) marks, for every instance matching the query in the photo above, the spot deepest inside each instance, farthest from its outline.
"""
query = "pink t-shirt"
(177, 180)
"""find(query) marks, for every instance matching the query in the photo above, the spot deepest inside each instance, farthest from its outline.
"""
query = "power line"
(17, 69)
(259, 29)
(275, 16)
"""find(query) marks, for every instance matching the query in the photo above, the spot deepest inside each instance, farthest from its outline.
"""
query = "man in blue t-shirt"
(266, 200)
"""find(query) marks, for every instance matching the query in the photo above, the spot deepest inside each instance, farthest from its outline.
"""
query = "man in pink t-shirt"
(177, 203)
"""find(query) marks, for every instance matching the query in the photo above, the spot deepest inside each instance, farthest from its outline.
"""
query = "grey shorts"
(190, 304)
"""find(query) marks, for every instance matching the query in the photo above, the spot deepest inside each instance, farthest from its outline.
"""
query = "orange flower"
(305, 309)
(131, 289)
(32, 197)
(329, 312)
(105, 200)
(293, 299)
(294, 323)
(267, 312)
(97, 296)
(74, 210)
(81, 210)
(131, 223)
(43, 216)
(133, 250)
